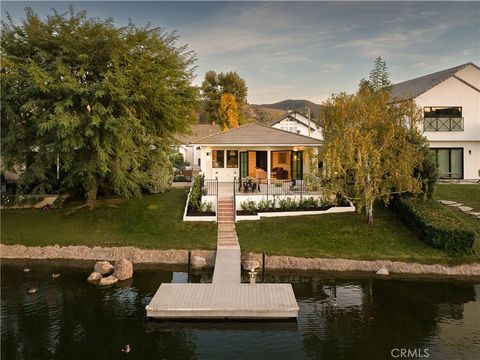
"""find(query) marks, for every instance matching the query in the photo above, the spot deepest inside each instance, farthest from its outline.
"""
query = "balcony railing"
(443, 124)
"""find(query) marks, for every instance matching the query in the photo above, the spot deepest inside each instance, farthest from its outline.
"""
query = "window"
(232, 159)
(450, 163)
(442, 118)
(218, 158)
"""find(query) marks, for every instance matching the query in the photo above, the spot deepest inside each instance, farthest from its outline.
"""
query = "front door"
(297, 165)
(243, 164)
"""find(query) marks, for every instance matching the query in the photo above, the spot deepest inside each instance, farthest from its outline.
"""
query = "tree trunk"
(92, 195)
(369, 212)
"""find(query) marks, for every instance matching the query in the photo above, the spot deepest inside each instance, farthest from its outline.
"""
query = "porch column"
(269, 163)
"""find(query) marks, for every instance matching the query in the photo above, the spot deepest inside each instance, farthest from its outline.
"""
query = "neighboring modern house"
(255, 151)
(298, 123)
(450, 101)
(190, 152)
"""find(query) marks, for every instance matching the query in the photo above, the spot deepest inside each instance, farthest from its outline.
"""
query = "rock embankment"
(180, 257)
(135, 255)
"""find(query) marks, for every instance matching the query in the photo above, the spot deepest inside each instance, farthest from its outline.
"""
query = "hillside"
(298, 105)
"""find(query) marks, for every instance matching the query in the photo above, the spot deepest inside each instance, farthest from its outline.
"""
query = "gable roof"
(199, 131)
(410, 89)
(303, 119)
(257, 134)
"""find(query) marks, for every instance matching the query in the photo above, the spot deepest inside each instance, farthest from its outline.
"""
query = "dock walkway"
(226, 297)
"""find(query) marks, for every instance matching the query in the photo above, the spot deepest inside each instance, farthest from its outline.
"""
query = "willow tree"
(368, 154)
(105, 101)
(228, 111)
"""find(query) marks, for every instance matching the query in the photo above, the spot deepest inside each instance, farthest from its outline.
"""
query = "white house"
(450, 100)
(298, 123)
(190, 152)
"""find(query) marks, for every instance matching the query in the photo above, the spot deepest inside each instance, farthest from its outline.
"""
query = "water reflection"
(341, 317)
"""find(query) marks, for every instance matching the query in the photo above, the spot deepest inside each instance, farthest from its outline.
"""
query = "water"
(70, 319)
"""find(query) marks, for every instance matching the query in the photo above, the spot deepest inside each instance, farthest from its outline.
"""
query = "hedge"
(436, 225)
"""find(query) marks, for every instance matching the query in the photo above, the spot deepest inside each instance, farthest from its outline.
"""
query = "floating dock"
(226, 297)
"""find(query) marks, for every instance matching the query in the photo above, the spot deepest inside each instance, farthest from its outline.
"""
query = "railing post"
(216, 212)
(234, 200)
(268, 186)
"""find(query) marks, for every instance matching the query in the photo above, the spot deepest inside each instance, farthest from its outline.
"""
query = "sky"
(303, 50)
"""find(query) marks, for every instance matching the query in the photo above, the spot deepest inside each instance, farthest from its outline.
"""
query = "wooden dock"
(226, 297)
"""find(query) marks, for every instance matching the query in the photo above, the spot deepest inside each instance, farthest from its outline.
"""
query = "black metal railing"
(210, 187)
(443, 124)
(272, 187)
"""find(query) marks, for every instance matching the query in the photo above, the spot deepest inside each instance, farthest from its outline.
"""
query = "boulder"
(198, 262)
(103, 267)
(247, 265)
(95, 276)
(382, 271)
(123, 269)
(109, 280)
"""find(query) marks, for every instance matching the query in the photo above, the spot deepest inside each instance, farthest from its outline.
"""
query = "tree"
(106, 101)
(228, 111)
(215, 85)
(367, 151)
(379, 78)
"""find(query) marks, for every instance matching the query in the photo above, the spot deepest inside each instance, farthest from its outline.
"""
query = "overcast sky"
(304, 50)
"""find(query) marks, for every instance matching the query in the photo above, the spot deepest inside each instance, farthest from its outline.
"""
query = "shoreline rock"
(103, 267)
(123, 269)
(180, 257)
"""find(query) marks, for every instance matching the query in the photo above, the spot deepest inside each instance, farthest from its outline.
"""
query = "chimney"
(212, 123)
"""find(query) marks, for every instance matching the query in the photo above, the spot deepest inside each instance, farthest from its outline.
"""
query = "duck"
(32, 291)
(126, 349)
(55, 275)
(26, 269)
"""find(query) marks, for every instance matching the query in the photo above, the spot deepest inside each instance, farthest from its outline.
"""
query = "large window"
(442, 118)
(218, 158)
(232, 158)
(450, 163)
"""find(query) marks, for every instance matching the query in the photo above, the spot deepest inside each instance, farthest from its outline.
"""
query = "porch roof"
(257, 134)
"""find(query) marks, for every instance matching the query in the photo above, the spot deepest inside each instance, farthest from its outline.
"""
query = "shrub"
(249, 206)
(196, 193)
(159, 177)
(435, 224)
(266, 205)
(59, 202)
(206, 207)
(20, 200)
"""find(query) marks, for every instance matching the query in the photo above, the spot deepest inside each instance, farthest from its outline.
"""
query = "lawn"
(344, 236)
(152, 221)
(467, 194)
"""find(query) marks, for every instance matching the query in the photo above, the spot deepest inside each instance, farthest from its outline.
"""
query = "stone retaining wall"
(180, 257)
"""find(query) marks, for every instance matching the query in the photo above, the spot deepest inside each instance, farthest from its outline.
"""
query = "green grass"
(342, 236)
(467, 194)
(152, 221)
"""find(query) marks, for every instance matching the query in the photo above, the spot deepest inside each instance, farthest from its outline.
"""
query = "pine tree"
(106, 101)
(379, 78)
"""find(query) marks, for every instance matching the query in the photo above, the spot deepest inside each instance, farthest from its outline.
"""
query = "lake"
(342, 316)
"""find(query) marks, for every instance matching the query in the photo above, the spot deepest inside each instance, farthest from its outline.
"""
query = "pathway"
(461, 207)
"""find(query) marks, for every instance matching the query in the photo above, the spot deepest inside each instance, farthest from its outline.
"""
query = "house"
(298, 123)
(450, 101)
(191, 153)
(256, 151)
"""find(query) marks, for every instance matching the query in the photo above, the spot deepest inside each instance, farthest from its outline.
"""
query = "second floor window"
(447, 118)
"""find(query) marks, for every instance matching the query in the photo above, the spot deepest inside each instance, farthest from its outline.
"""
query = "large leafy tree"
(368, 151)
(105, 100)
(214, 86)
